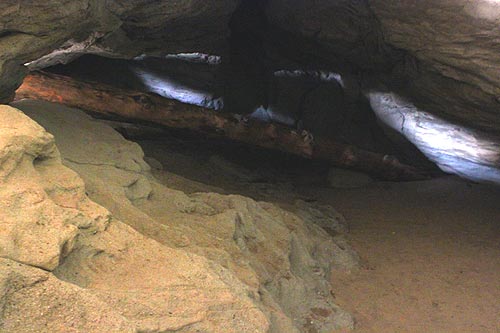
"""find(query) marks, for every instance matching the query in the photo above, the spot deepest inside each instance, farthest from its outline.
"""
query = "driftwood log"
(112, 101)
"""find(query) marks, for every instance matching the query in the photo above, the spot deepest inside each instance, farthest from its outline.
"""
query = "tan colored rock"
(161, 289)
(35, 301)
(119, 280)
(40, 200)
(281, 259)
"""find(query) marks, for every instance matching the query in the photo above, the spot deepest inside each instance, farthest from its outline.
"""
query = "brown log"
(112, 101)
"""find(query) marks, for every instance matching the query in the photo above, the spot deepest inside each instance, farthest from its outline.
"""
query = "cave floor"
(430, 250)
(431, 256)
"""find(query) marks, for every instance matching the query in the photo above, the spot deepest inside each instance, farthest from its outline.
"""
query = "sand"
(430, 253)
(430, 250)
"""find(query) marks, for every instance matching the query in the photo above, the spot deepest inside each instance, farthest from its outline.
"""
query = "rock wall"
(159, 260)
(458, 39)
(49, 32)
(68, 264)
(442, 55)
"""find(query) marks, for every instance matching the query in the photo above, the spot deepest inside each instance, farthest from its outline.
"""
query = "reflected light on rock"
(454, 148)
(319, 75)
(268, 115)
(484, 9)
(169, 88)
(197, 57)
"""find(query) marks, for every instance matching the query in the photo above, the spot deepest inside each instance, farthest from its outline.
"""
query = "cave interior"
(387, 113)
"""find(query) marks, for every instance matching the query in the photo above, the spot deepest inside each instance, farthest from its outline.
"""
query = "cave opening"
(253, 165)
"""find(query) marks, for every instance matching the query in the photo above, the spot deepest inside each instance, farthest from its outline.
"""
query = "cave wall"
(444, 55)
(459, 39)
(53, 31)
(440, 57)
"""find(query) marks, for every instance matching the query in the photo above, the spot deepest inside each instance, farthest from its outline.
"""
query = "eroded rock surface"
(67, 264)
(204, 261)
(41, 201)
(458, 39)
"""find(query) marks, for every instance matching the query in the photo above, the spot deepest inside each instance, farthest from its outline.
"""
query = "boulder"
(280, 260)
(67, 264)
(41, 201)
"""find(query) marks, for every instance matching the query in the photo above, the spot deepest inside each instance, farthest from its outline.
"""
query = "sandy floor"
(430, 250)
(431, 254)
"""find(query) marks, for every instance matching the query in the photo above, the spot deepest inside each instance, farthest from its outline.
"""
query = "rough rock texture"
(41, 201)
(114, 284)
(278, 260)
(51, 304)
(405, 39)
(458, 39)
(426, 48)
(440, 56)
(344, 31)
(65, 29)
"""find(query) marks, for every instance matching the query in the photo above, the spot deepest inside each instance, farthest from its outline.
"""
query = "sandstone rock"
(109, 278)
(323, 215)
(347, 31)
(415, 45)
(36, 301)
(275, 258)
(442, 57)
(158, 288)
(443, 35)
(412, 48)
(41, 201)
(108, 168)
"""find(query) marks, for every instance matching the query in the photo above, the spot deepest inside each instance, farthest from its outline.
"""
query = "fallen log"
(112, 101)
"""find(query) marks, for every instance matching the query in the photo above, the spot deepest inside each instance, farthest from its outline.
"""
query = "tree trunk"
(111, 101)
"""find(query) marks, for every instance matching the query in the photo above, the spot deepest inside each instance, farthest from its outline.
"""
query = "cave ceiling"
(443, 56)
